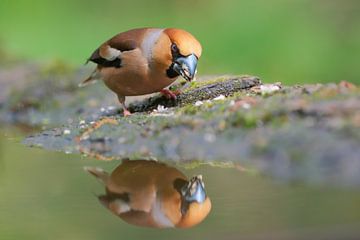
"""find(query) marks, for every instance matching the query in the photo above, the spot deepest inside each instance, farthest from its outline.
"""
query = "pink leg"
(126, 112)
(169, 94)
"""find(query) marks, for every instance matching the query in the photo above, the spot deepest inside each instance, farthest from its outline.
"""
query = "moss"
(189, 109)
(200, 83)
(197, 163)
(244, 119)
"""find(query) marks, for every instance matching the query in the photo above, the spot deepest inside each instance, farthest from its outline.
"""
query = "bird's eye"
(174, 48)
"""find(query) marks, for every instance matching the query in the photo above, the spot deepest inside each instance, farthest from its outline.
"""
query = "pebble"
(246, 106)
(198, 103)
(66, 132)
(160, 108)
(220, 97)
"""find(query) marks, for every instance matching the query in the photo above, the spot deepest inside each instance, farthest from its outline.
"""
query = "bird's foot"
(170, 94)
(126, 112)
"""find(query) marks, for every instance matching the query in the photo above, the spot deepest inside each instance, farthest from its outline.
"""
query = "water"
(48, 195)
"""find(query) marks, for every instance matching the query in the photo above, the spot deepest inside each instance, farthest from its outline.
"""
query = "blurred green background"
(280, 40)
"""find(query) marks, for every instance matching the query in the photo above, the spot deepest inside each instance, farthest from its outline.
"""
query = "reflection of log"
(227, 86)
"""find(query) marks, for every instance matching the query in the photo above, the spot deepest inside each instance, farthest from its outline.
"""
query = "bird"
(144, 61)
(147, 193)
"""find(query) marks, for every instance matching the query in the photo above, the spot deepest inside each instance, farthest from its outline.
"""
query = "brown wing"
(125, 41)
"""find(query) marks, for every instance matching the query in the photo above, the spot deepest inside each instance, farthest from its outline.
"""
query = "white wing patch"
(149, 42)
(120, 206)
(159, 217)
(112, 54)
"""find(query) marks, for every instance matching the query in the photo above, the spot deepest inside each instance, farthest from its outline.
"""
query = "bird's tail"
(99, 173)
(95, 75)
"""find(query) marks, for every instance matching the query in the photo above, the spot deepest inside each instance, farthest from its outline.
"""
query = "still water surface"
(48, 195)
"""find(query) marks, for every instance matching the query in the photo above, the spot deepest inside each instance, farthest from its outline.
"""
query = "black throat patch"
(178, 184)
(170, 72)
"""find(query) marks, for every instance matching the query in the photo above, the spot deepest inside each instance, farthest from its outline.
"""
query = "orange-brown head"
(179, 51)
(196, 205)
(185, 42)
(196, 213)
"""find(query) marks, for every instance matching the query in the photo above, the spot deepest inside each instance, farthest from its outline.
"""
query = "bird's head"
(194, 190)
(183, 51)
(196, 204)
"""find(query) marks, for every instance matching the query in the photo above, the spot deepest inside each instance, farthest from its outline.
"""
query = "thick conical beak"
(186, 66)
(194, 190)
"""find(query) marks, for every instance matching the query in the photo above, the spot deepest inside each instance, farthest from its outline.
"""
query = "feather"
(99, 173)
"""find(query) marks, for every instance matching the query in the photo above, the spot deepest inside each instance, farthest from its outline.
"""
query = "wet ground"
(279, 161)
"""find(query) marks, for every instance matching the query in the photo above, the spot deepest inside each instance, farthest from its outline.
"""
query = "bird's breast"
(159, 216)
(136, 76)
(150, 39)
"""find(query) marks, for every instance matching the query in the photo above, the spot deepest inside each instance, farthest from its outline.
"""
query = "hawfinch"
(152, 194)
(146, 60)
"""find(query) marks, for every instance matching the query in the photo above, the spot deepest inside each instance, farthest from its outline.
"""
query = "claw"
(126, 112)
(169, 94)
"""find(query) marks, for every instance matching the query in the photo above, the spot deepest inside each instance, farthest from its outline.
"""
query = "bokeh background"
(46, 195)
(295, 41)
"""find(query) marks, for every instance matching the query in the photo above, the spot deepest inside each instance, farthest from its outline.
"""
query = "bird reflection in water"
(152, 194)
